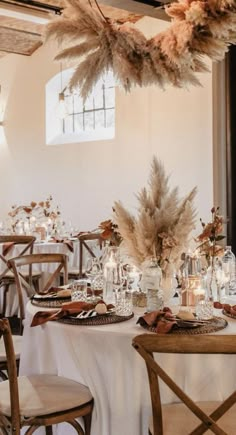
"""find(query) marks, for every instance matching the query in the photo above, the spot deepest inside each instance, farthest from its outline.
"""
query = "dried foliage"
(210, 235)
(98, 43)
(163, 224)
(40, 210)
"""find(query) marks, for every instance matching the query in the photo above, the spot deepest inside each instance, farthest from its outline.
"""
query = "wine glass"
(133, 276)
(118, 279)
(93, 270)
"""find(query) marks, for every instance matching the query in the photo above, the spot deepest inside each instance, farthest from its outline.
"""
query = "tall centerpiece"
(209, 248)
(161, 229)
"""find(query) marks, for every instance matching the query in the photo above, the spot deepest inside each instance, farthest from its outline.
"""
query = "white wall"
(85, 178)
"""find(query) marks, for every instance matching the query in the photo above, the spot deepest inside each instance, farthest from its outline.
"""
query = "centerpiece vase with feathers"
(211, 234)
(162, 226)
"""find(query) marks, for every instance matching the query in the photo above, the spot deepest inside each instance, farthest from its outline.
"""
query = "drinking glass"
(118, 279)
(133, 276)
(79, 290)
(124, 303)
(204, 309)
(93, 270)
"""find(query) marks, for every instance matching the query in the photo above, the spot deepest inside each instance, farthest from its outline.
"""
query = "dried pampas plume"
(164, 222)
(98, 43)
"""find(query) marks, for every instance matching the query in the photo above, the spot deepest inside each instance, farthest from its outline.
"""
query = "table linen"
(102, 358)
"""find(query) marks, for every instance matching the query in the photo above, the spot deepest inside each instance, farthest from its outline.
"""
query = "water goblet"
(93, 269)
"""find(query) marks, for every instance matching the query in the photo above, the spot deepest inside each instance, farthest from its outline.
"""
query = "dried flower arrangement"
(210, 235)
(40, 210)
(110, 232)
(164, 222)
(198, 28)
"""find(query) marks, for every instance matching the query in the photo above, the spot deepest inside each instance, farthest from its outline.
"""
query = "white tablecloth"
(102, 358)
(39, 248)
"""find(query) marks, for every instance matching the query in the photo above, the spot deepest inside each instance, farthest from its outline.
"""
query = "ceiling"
(22, 22)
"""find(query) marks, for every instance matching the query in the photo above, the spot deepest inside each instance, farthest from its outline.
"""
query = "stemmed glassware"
(93, 271)
(133, 276)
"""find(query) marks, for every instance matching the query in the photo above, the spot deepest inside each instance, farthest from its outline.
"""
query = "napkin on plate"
(67, 242)
(66, 309)
(162, 321)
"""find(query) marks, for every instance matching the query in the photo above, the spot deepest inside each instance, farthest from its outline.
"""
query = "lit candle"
(109, 267)
(199, 291)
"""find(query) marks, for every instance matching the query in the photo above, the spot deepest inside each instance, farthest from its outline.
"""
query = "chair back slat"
(26, 241)
(83, 246)
(60, 261)
(12, 374)
(149, 344)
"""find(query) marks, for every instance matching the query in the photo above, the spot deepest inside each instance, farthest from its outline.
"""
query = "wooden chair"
(83, 247)
(6, 276)
(60, 260)
(175, 419)
(40, 400)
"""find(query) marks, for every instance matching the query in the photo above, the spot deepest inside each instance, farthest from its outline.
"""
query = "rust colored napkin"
(162, 321)
(66, 309)
(231, 309)
(7, 247)
(67, 242)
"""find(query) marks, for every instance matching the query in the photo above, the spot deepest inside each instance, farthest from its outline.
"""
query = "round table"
(103, 358)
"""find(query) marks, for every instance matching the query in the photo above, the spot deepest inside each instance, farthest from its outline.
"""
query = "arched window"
(94, 120)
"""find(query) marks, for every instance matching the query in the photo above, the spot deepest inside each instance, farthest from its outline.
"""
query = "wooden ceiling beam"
(151, 8)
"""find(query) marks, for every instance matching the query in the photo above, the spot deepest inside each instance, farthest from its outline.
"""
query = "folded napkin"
(66, 309)
(67, 242)
(7, 247)
(231, 309)
(55, 291)
(161, 321)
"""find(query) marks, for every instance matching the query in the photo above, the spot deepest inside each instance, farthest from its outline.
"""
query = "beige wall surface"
(86, 178)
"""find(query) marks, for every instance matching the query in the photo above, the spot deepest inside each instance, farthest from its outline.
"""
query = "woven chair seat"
(178, 420)
(44, 395)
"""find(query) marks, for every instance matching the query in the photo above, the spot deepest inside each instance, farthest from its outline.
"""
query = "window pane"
(110, 117)
(89, 123)
(110, 97)
(79, 123)
(78, 105)
(99, 119)
(98, 100)
(68, 124)
(69, 103)
(89, 102)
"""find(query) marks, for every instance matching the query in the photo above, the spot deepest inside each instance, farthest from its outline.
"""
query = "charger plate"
(101, 319)
(47, 302)
(215, 324)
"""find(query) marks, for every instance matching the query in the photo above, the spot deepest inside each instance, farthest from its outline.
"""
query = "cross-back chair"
(6, 276)
(40, 400)
(60, 261)
(174, 419)
(84, 247)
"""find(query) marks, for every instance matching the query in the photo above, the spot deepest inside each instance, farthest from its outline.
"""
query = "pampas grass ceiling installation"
(96, 43)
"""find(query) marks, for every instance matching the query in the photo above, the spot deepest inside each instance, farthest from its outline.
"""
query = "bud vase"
(215, 280)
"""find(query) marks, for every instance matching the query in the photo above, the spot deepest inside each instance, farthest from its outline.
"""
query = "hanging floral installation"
(163, 223)
(198, 28)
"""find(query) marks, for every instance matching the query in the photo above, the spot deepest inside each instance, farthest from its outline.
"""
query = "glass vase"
(215, 280)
